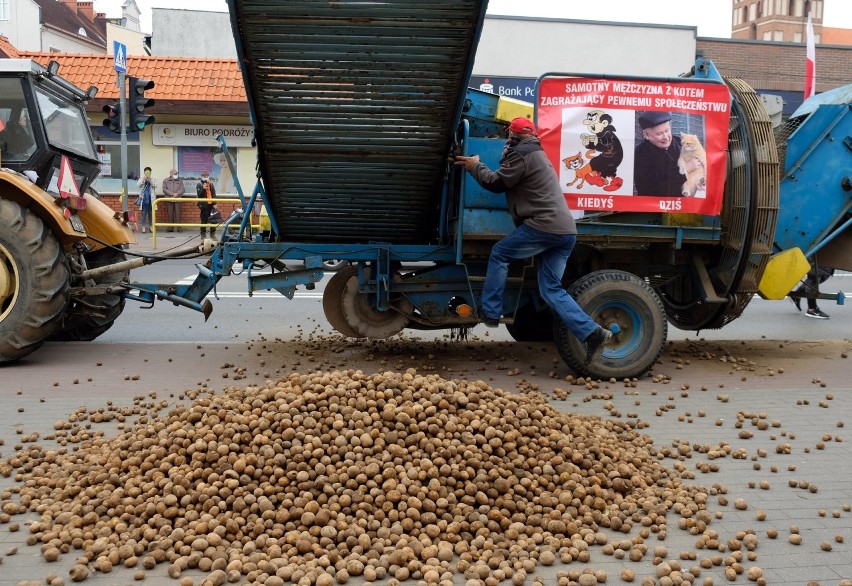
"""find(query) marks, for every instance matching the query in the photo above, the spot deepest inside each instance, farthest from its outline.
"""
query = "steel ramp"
(354, 105)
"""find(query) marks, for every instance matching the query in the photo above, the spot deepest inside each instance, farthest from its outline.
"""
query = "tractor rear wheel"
(89, 317)
(34, 280)
(631, 310)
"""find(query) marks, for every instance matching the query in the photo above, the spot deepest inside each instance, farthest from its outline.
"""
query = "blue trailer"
(359, 110)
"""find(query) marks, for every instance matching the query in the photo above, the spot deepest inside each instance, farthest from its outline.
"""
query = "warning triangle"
(67, 183)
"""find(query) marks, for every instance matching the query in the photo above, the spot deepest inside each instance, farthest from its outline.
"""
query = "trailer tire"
(34, 281)
(531, 324)
(85, 321)
(332, 301)
(632, 310)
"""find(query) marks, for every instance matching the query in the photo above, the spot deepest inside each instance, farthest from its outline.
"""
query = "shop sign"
(202, 135)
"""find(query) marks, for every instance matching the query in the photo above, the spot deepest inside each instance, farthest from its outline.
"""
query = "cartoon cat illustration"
(692, 163)
(577, 165)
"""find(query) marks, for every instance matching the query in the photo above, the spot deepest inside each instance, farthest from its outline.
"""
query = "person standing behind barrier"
(173, 187)
(205, 190)
(147, 193)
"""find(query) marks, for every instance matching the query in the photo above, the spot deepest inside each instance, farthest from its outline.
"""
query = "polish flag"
(810, 64)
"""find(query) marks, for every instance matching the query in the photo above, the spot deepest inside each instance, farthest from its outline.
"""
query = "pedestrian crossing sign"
(120, 56)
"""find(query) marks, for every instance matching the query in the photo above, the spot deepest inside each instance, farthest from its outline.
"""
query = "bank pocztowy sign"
(201, 135)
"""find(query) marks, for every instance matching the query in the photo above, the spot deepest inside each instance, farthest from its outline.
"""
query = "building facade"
(775, 20)
(200, 98)
(192, 33)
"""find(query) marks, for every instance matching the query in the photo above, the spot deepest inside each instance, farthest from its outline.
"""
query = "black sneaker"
(595, 342)
(797, 302)
(816, 313)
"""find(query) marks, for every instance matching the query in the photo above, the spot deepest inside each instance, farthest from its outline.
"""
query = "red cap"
(522, 125)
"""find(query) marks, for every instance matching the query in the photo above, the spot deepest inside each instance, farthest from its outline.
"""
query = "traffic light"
(138, 102)
(113, 119)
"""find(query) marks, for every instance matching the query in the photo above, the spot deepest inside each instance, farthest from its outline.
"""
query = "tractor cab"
(42, 118)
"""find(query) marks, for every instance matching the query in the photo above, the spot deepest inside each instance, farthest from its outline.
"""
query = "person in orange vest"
(207, 192)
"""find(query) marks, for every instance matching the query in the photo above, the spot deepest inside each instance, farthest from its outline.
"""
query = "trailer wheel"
(632, 310)
(369, 322)
(89, 317)
(332, 301)
(531, 324)
(34, 280)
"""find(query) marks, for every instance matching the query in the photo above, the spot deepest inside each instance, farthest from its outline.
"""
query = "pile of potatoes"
(319, 477)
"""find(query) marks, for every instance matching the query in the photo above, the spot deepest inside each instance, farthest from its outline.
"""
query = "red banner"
(642, 146)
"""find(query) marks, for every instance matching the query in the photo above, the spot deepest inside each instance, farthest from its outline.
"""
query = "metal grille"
(783, 134)
(354, 106)
(750, 211)
(749, 215)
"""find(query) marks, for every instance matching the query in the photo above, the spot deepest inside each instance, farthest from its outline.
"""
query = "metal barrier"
(217, 200)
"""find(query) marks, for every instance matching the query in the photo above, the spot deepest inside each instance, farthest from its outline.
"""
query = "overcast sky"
(712, 17)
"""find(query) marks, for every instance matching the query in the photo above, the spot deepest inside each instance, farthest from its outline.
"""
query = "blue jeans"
(552, 251)
(145, 215)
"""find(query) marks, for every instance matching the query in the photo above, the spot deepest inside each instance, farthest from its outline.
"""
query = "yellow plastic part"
(682, 219)
(783, 272)
(510, 108)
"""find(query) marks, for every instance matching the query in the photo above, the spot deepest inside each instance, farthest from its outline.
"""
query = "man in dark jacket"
(173, 187)
(655, 164)
(545, 229)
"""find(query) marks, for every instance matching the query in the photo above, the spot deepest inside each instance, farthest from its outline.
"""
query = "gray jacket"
(532, 188)
(173, 187)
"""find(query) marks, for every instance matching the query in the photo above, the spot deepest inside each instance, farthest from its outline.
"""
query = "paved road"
(689, 403)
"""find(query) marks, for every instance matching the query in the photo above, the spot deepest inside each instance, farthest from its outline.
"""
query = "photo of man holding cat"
(661, 165)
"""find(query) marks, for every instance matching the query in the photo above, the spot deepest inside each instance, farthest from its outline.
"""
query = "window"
(779, 36)
(108, 145)
(797, 37)
(193, 160)
(65, 123)
(752, 12)
(4, 9)
(16, 134)
(767, 35)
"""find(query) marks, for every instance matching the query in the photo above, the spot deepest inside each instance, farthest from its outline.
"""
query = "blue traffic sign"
(119, 52)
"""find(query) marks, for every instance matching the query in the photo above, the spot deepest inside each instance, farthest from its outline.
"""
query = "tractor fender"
(18, 188)
(104, 224)
(99, 220)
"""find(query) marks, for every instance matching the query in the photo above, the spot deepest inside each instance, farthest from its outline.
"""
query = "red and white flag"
(810, 64)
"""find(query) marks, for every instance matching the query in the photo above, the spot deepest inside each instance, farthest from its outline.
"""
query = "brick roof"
(59, 16)
(177, 79)
(7, 49)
